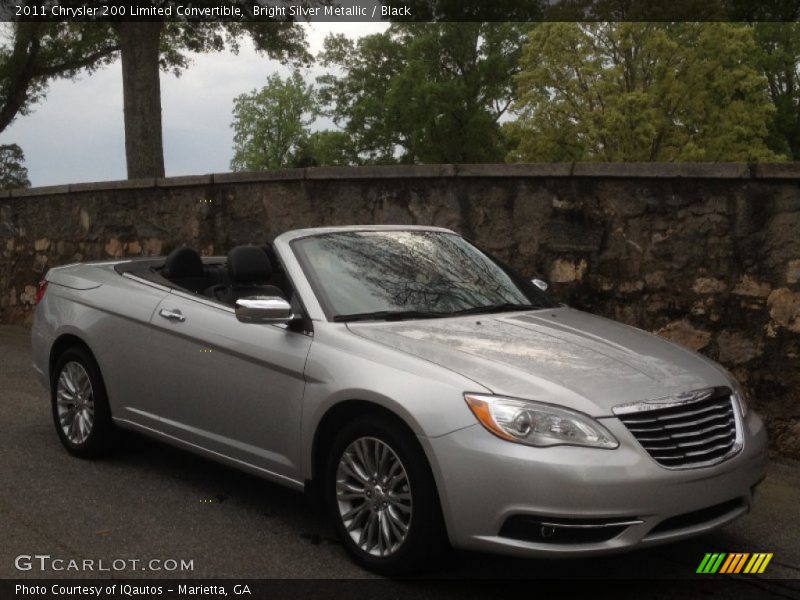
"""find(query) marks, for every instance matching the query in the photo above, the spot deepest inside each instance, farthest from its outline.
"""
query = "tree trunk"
(21, 70)
(144, 149)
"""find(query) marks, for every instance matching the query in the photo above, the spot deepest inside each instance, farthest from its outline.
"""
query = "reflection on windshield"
(423, 273)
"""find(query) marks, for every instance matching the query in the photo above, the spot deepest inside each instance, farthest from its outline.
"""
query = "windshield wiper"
(389, 315)
(400, 315)
(492, 308)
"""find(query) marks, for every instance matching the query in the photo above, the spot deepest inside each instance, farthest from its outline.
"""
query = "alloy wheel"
(75, 402)
(373, 494)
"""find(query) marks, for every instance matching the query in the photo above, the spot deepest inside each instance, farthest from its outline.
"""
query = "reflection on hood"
(555, 355)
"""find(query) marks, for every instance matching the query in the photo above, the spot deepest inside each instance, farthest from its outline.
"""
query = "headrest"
(183, 262)
(248, 264)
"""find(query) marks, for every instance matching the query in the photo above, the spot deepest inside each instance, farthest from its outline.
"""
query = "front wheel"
(382, 498)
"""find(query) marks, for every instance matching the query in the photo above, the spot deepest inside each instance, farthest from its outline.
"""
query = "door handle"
(172, 315)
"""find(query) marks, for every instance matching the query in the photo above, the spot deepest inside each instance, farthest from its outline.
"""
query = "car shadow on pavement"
(218, 484)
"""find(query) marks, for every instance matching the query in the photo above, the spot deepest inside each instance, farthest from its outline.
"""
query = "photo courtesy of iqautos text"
(399, 298)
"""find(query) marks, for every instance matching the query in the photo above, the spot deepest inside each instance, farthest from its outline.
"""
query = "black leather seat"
(184, 268)
(249, 270)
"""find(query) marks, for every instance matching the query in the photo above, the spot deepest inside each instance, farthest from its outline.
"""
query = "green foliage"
(778, 57)
(637, 10)
(33, 54)
(640, 92)
(271, 124)
(358, 97)
(326, 148)
(423, 92)
(281, 40)
(13, 173)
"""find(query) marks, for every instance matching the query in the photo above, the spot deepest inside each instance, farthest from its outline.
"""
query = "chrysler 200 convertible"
(426, 392)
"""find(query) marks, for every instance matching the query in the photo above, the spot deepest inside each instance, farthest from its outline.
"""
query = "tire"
(81, 413)
(407, 532)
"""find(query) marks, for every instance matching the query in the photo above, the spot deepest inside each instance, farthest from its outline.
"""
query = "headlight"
(538, 424)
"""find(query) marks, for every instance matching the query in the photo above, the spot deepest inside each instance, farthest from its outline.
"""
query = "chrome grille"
(691, 430)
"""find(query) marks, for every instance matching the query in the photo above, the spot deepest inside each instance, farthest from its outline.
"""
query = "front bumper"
(483, 480)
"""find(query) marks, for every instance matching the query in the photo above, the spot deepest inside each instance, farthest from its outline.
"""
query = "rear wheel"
(382, 498)
(80, 405)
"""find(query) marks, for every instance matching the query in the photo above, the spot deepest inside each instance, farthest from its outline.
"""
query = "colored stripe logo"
(734, 562)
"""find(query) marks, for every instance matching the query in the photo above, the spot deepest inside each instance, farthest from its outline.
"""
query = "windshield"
(363, 275)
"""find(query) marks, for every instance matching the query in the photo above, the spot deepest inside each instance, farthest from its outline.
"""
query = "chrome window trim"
(147, 282)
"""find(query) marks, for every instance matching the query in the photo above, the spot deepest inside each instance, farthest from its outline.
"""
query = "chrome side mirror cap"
(541, 284)
(263, 309)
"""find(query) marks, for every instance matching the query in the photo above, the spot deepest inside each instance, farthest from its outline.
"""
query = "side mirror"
(263, 309)
(541, 284)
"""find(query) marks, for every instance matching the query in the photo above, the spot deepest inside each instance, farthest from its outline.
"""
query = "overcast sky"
(76, 133)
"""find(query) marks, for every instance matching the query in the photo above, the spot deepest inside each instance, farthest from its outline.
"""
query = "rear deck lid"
(78, 276)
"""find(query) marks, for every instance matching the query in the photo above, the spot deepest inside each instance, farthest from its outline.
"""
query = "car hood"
(562, 356)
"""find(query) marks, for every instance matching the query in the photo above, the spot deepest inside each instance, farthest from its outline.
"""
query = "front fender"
(342, 366)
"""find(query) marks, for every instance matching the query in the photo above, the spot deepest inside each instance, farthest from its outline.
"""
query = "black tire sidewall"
(426, 539)
(98, 442)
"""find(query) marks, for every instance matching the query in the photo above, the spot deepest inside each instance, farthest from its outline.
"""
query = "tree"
(326, 148)
(34, 53)
(640, 92)
(777, 36)
(13, 173)
(271, 124)
(147, 46)
(41, 51)
(423, 92)
(637, 10)
(779, 58)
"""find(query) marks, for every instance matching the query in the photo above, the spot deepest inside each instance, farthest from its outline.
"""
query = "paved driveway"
(153, 501)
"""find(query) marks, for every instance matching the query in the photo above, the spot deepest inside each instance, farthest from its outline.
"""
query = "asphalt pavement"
(152, 501)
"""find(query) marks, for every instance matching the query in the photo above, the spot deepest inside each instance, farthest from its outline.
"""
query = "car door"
(230, 387)
(121, 337)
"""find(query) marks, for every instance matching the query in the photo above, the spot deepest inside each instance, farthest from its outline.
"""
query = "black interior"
(184, 267)
(249, 274)
(246, 271)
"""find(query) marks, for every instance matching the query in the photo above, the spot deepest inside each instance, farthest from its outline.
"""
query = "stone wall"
(707, 255)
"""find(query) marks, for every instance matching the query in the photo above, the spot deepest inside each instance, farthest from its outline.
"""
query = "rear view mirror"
(263, 309)
(541, 284)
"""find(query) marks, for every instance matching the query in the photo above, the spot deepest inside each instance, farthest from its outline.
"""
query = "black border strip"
(265, 11)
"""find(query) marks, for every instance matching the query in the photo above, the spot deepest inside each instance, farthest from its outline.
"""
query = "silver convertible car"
(427, 393)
